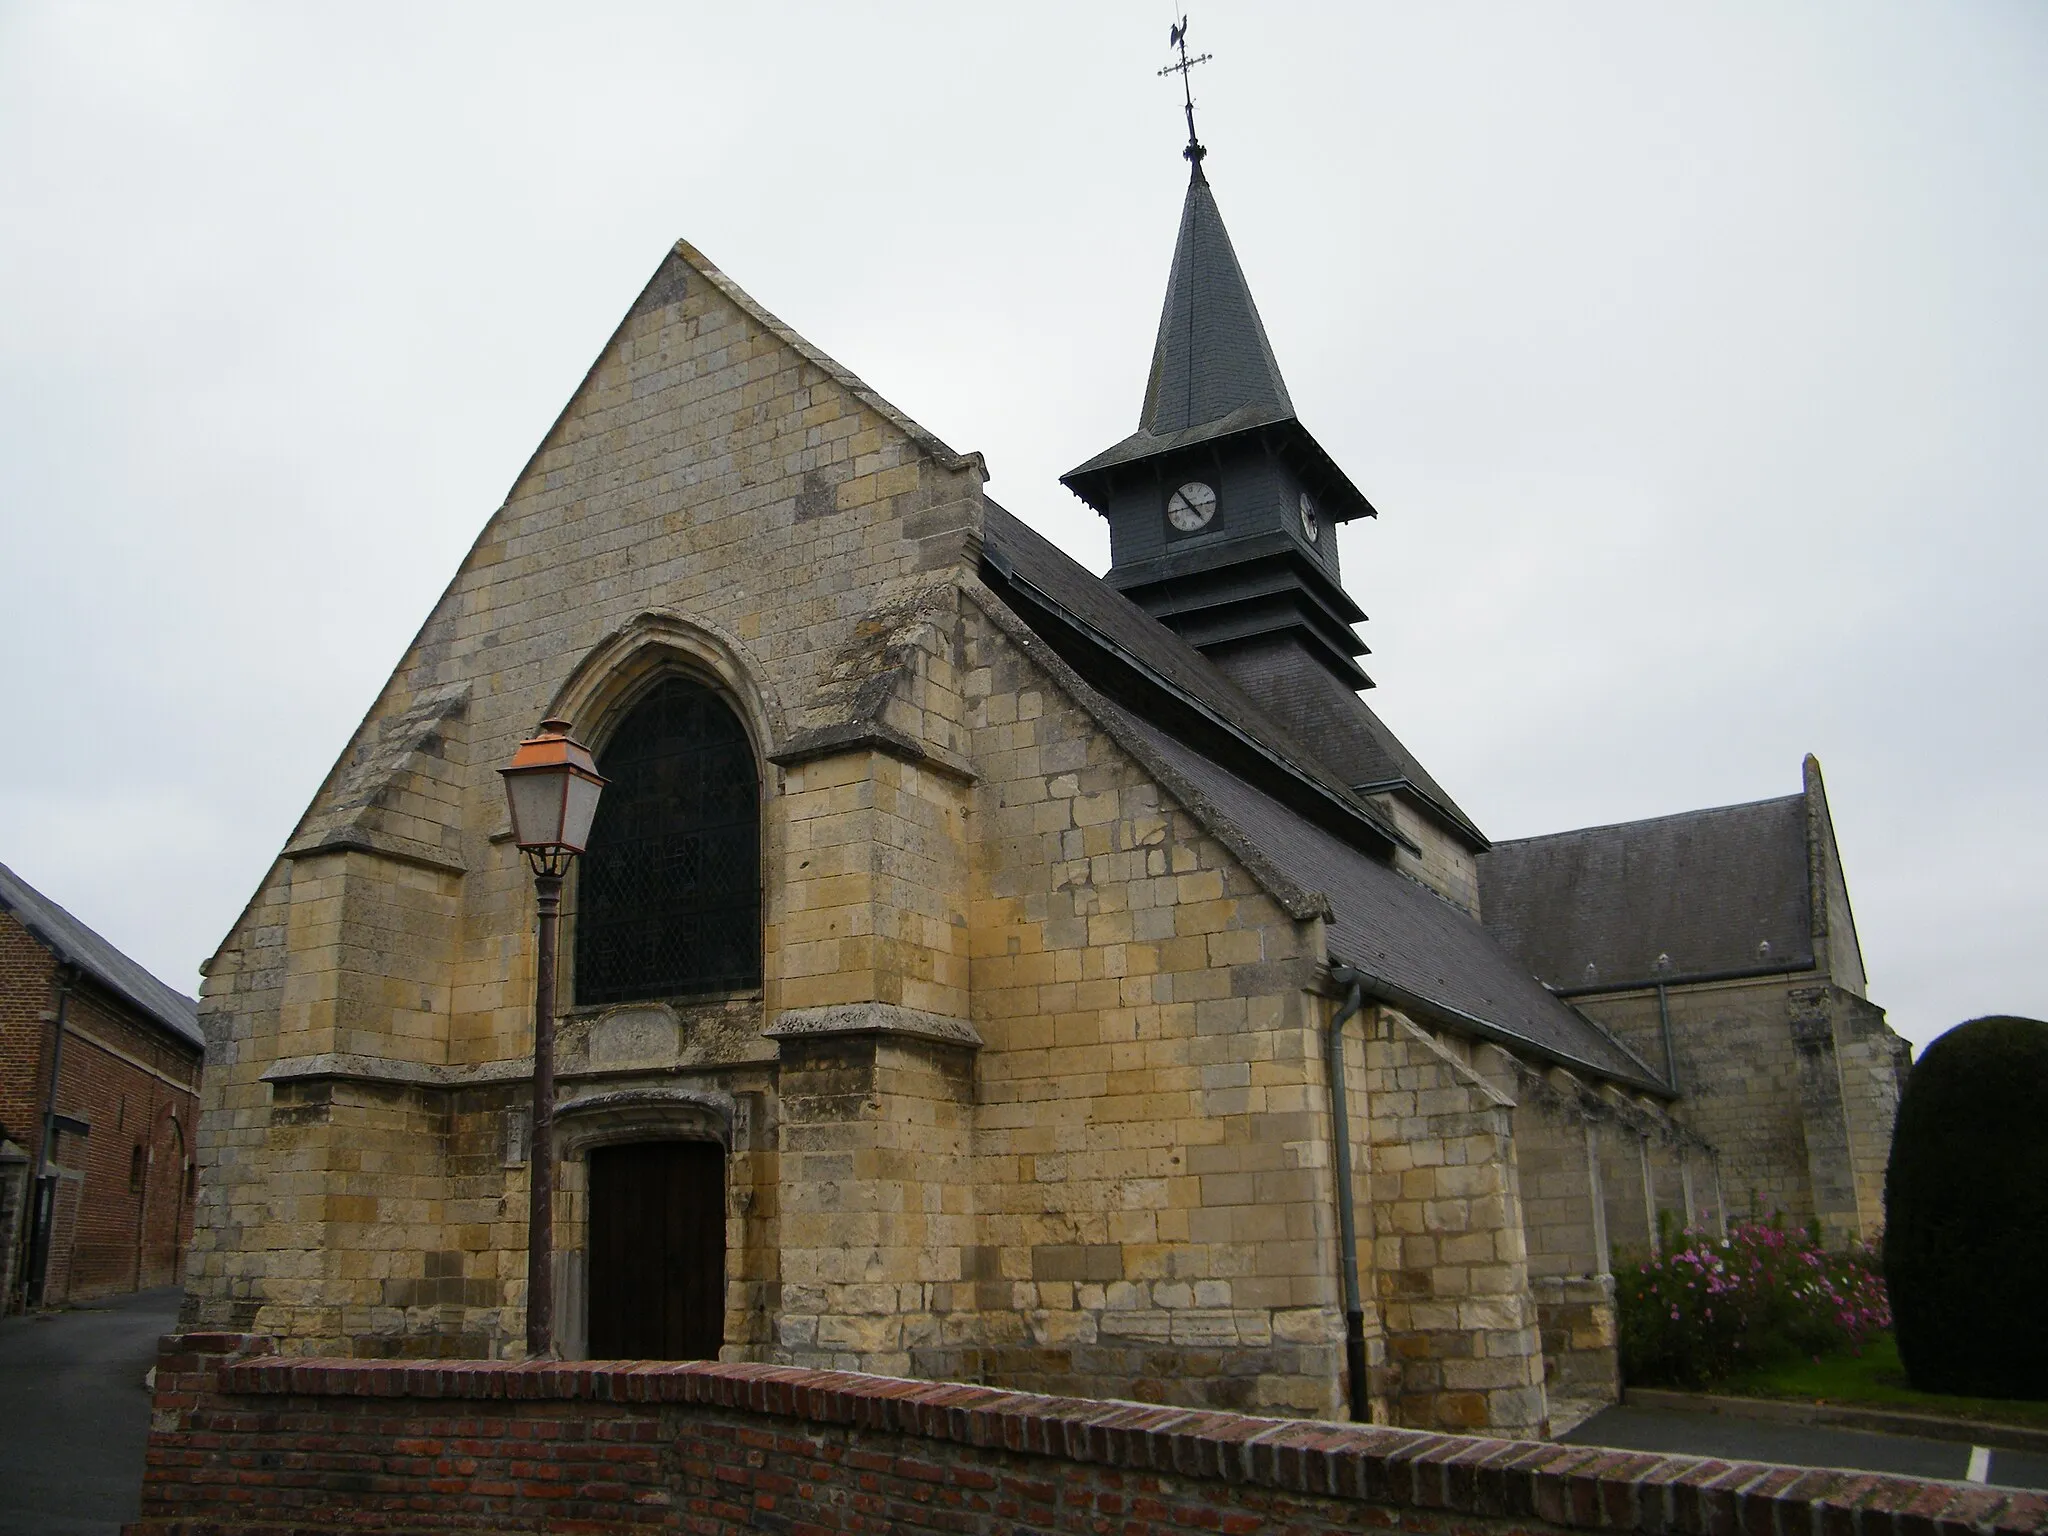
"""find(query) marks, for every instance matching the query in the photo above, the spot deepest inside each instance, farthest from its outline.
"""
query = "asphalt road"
(76, 1414)
(1713, 1434)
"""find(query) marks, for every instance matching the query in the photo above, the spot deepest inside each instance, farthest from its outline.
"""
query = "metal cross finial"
(1177, 37)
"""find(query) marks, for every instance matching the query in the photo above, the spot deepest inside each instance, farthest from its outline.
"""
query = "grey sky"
(1696, 357)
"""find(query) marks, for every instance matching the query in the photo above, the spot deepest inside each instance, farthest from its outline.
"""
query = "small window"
(135, 1161)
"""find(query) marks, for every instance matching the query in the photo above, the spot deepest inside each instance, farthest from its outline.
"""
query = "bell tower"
(1221, 506)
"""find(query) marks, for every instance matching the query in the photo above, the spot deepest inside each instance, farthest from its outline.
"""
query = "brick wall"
(125, 1216)
(243, 1442)
(26, 974)
(122, 1214)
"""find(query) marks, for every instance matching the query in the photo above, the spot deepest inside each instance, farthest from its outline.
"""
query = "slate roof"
(1706, 888)
(71, 941)
(1214, 375)
(1397, 930)
(1019, 555)
(1341, 728)
(1385, 924)
(1212, 356)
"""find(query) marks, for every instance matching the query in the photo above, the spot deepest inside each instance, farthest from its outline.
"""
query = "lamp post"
(552, 785)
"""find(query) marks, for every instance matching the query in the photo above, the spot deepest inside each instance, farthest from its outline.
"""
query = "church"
(985, 970)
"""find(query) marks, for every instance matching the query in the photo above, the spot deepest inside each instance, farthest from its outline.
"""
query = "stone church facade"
(947, 991)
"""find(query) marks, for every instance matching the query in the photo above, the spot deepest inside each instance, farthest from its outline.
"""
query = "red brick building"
(96, 1178)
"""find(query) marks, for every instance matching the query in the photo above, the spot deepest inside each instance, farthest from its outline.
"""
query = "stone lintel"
(338, 1066)
(342, 1066)
(362, 840)
(649, 1114)
(872, 736)
(872, 1019)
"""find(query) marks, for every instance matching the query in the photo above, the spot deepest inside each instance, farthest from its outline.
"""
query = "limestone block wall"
(1794, 1083)
(1564, 1218)
(876, 1201)
(1823, 1115)
(1874, 1063)
(370, 945)
(225, 1273)
(1450, 1253)
(1627, 1190)
(871, 904)
(1153, 1142)
(716, 498)
(1562, 1215)
(1740, 1080)
(1445, 862)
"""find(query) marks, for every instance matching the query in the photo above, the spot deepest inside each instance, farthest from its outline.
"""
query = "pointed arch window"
(668, 897)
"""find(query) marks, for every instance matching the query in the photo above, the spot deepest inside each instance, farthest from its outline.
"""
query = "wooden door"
(657, 1251)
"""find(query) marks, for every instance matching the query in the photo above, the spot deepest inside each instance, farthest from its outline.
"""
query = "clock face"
(1191, 507)
(1309, 523)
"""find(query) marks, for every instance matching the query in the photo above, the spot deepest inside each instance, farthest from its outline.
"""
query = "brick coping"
(1575, 1487)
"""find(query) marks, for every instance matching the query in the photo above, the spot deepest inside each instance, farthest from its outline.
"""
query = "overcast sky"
(1695, 357)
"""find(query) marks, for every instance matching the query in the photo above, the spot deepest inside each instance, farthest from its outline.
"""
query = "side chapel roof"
(75, 944)
(1708, 889)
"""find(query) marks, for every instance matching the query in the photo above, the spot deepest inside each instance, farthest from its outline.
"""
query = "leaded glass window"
(668, 898)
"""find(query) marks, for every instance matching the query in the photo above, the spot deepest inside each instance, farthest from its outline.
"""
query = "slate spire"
(1221, 505)
(1212, 358)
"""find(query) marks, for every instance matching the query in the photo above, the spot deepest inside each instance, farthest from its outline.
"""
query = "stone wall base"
(1581, 1354)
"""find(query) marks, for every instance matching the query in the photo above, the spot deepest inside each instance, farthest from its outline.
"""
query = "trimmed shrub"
(1966, 1212)
(1709, 1308)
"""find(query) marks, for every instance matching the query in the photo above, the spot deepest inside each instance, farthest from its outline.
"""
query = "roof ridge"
(839, 373)
(83, 946)
(1239, 709)
(1298, 901)
(1646, 821)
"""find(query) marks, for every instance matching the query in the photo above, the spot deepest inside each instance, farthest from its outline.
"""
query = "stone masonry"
(1032, 1091)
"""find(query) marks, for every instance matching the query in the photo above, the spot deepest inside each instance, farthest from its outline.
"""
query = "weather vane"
(1177, 37)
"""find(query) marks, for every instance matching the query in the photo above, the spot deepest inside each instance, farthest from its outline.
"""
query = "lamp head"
(552, 785)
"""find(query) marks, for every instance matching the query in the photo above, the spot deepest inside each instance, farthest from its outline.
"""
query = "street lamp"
(552, 785)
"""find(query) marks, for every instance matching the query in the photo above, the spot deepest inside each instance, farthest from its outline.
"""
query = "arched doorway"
(656, 1250)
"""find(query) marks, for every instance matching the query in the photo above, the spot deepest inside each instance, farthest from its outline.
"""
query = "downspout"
(142, 1191)
(1664, 1021)
(43, 1214)
(1347, 1219)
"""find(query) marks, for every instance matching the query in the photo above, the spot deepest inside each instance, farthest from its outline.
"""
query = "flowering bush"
(1709, 1308)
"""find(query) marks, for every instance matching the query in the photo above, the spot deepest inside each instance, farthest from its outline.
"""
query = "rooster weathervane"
(1177, 37)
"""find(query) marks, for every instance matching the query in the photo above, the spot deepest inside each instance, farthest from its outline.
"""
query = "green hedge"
(1966, 1212)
